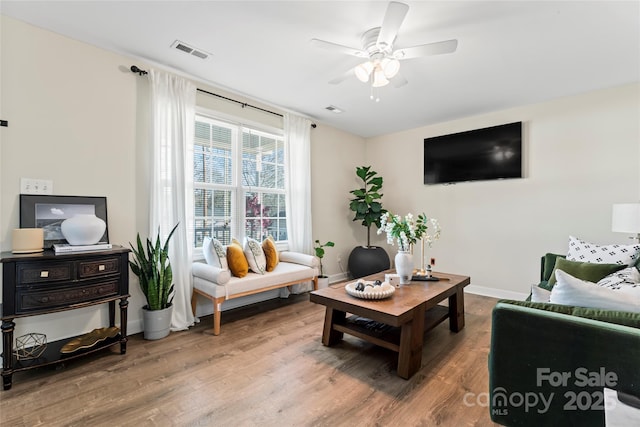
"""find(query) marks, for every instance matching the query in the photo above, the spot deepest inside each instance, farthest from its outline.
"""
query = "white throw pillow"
(255, 255)
(623, 280)
(539, 294)
(580, 250)
(215, 253)
(571, 291)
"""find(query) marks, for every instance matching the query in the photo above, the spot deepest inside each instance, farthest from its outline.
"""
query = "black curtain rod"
(135, 69)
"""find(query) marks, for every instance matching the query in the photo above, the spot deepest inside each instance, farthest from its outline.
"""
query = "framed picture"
(48, 212)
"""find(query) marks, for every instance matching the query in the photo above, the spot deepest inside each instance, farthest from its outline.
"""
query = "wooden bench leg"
(194, 303)
(217, 314)
(217, 310)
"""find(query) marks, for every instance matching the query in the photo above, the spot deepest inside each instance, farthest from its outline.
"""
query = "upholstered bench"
(218, 285)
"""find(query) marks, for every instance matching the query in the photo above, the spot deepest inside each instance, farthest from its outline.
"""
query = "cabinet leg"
(124, 304)
(112, 313)
(7, 352)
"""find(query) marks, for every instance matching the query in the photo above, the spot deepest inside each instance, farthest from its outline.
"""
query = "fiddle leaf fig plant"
(153, 269)
(366, 202)
(319, 248)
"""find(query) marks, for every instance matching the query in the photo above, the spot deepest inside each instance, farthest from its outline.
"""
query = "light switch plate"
(36, 186)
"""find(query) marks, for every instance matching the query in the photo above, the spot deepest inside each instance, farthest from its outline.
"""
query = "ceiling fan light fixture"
(390, 67)
(363, 71)
(379, 78)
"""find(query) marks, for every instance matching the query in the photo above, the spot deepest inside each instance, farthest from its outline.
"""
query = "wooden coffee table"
(397, 323)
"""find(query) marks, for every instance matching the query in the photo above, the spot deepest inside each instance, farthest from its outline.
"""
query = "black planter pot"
(364, 261)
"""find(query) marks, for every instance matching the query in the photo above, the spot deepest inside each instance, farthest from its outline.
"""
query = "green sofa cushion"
(624, 318)
(582, 270)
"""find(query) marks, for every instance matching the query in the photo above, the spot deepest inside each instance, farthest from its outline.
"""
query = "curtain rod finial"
(135, 69)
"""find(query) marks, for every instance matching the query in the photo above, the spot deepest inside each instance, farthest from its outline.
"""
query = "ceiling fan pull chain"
(374, 94)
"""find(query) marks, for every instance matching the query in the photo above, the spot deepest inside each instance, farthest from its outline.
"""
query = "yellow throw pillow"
(271, 253)
(235, 258)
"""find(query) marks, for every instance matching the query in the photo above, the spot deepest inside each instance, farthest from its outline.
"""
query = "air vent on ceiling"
(334, 109)
(190, 49)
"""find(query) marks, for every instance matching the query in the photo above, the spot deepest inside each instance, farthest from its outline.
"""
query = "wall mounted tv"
(482, 154)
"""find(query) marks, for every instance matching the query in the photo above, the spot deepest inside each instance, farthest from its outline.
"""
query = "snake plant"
(153, 269)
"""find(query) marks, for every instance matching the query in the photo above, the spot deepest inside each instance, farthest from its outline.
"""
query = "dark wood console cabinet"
(43, 283)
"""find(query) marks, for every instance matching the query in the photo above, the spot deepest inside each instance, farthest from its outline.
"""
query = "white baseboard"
(495, 293)
(134, 327)
(340, 277)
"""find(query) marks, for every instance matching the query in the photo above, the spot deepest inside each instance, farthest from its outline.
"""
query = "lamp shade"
(379, 79)
(625, 218)
(363, 71)
(390, 67)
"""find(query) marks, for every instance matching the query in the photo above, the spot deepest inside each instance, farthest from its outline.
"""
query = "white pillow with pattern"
(255, 255)
(626, 280)
(215, 253)
(582, 251)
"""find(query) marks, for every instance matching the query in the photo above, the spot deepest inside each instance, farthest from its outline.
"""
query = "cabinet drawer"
(41, 272)
(30, 299)
(97, 268)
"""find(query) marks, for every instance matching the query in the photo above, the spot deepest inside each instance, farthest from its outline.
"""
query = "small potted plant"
(323, 281)
(153, 268)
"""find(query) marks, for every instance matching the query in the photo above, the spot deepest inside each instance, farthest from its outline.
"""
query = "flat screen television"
(481, 154)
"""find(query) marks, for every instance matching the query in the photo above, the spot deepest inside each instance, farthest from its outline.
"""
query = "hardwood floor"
(268, 368)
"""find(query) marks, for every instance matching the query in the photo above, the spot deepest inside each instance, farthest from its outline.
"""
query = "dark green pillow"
(549, 262)
(583, 270)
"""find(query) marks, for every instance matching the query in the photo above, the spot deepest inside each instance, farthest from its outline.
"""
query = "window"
(238, 182)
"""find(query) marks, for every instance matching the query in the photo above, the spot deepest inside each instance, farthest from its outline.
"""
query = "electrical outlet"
(36, 186)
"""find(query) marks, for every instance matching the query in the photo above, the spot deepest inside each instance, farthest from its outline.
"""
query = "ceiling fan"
(383, 62)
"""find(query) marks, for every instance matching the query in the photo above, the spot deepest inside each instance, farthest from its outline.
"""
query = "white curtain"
(298, 156)
(173, 104)
(297, 132)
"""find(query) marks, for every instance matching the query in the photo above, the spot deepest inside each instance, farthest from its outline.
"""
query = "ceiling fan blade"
(347, 74)
(393, 18)
(437, 48)
(334, 47)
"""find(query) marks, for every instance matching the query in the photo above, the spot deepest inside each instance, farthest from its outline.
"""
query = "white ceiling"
(510, 53)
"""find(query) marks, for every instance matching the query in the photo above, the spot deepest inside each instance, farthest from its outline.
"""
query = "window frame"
(238, 190)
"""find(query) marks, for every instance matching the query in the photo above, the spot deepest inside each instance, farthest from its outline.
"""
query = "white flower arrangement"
(408, 230)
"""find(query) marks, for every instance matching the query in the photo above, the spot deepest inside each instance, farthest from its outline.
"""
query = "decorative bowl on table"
(369, 289)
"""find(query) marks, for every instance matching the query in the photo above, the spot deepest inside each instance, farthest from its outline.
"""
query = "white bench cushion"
(283, 273)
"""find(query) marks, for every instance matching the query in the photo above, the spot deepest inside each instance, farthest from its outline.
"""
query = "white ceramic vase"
(404, 266)
(83, 229)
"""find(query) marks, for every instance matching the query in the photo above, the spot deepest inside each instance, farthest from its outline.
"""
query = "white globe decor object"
(83, 229)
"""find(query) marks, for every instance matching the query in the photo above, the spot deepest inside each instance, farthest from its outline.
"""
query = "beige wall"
(78, 116)
(334, 158)
(72, 119)
(582, 155)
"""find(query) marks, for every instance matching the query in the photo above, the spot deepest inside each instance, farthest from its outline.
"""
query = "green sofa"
(549, 363)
